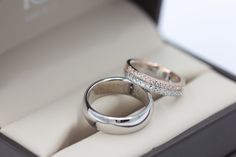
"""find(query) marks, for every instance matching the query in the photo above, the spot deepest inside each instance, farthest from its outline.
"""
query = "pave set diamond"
(154, 85)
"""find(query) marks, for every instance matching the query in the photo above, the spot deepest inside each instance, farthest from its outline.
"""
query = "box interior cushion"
(48, 91)
(67, 129)
(25, 19)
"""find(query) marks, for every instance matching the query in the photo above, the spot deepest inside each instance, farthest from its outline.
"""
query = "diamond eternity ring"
(117, 125)
(156, 79)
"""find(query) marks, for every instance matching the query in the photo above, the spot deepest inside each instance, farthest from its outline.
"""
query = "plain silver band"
(117, 125)
(156, 79)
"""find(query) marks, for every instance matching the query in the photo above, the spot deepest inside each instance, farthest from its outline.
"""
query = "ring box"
(52, 50)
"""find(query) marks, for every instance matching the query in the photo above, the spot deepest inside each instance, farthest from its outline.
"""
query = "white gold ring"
(117, 125)
(156, 79)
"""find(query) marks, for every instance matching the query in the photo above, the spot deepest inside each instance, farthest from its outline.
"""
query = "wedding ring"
(117, 125)
(156, 79)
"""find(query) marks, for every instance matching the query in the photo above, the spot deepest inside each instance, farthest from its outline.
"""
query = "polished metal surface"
(156, 79)
(117, 125)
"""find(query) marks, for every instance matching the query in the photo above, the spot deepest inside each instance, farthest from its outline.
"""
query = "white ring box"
(52, 50)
